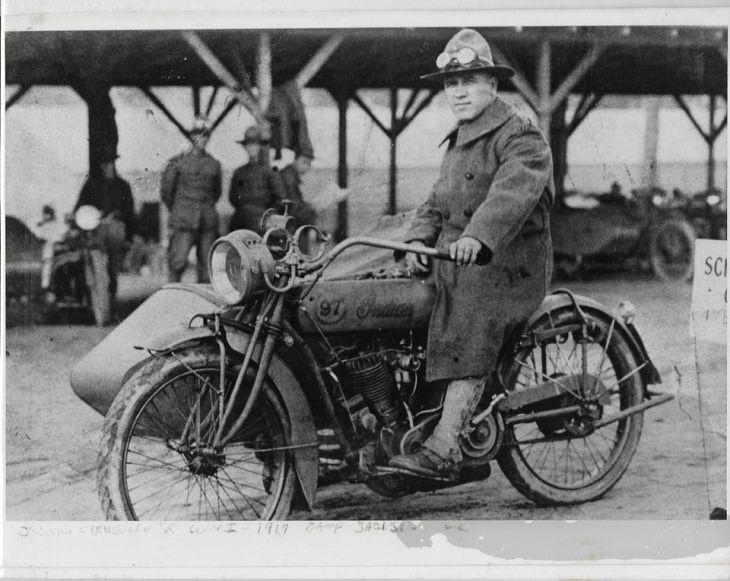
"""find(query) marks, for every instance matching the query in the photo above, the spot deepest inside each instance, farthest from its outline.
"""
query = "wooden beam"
(243, 76)
(410, 102)
(264, 78)
(407, 120)
(364, 107)
(575, 75)
(318, 60)
(22, 90)
(719, 128)
(680, 101)
(196, 100)
(161, 106)
(211, 100)
(590, 101)
(343, 98)
(231, 103)
(219, 70)
(519, 80)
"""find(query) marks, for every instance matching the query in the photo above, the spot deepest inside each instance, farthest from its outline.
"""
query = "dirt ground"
(678, 472)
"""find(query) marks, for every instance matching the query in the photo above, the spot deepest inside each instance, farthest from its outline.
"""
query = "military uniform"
(254, 189)
(495, 185)
(190, 188)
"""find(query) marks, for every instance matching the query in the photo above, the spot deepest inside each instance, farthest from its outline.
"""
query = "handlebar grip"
(483, 257)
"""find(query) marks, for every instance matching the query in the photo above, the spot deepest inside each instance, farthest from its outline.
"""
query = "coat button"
(469, 175)
(468, 212)
(447, 214)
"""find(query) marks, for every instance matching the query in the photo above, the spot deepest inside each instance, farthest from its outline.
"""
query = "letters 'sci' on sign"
(708, 319)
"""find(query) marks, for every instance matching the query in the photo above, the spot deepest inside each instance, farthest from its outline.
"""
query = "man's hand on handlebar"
(465, 250)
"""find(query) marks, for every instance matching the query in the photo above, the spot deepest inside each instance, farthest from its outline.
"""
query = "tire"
(142, 473)
(671, 250)
(97, 281)
(556, 461)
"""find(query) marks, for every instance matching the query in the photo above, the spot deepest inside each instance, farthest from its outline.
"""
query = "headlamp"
(87, 217)
(238, 264)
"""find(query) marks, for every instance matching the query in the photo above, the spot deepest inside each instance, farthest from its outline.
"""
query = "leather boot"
(440, 456)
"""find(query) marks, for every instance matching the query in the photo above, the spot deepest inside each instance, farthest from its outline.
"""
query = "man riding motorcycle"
(492, 198)
(111, 194)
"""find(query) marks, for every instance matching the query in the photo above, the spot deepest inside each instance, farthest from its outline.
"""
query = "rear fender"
(303, 431)
(563, 300)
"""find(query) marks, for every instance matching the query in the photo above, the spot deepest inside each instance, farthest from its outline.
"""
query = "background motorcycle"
(80, 268)
(707, 212)
(605, 230)
(283, 380)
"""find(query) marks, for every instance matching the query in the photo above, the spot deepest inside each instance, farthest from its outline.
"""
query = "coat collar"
(496, 114)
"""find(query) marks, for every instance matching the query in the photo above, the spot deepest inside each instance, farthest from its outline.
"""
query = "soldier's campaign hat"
(251, 135)
(467, 51)
(200, 127)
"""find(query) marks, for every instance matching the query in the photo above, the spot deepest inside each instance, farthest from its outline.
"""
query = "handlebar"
(322, 263)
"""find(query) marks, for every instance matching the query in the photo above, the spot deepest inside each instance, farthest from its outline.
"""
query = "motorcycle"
(283, 380)
(79, 268)
(609, 229)
(707, 212)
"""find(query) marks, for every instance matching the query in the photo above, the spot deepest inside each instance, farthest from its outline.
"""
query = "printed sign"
(708, 317)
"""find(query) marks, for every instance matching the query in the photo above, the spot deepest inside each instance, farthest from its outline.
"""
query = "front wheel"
(575, 455)
(157, 460)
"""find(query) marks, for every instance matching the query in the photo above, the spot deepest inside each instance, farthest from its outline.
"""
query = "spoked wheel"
(578, 455)
(158, 461)
(671, 250)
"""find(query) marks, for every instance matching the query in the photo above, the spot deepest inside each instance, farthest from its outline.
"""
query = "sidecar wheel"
(147, 471)
(97, 281)
(671, 250)
(561, 460)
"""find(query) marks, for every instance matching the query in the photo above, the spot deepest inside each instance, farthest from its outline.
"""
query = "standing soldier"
(254, 187)
(190, 188)
(492, 199)
(291, 178)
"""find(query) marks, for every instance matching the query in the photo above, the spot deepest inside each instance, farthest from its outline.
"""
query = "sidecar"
(606, 230)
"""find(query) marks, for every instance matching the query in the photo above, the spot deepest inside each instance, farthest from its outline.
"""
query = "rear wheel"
(671, 250)
(149, 469)
(571, 458)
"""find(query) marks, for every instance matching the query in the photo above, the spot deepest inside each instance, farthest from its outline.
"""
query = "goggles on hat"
(464, 57)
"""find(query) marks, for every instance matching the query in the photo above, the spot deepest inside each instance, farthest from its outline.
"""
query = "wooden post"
(543, 87)
(651, 144)
(103, 135)
(343, 100)
(559, 143)
(711, 147)
(264, 77)
(393, 136)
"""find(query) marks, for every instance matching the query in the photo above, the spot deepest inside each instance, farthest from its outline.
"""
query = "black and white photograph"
(459, 270)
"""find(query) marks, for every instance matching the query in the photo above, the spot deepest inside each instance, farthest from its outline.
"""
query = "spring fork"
(260, 320)
(266, 354)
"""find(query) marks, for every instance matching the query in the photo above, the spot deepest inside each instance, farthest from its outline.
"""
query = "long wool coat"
(495, 185)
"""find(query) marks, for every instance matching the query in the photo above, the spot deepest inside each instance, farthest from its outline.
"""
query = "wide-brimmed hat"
(467, 51)
(251, 135)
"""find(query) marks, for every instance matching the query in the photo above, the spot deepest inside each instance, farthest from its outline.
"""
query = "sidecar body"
(597, 226)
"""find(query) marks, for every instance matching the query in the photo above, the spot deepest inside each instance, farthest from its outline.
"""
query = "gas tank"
(344, 306)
